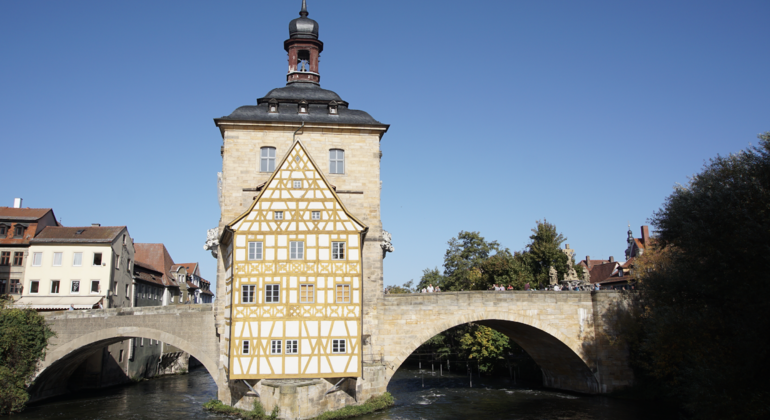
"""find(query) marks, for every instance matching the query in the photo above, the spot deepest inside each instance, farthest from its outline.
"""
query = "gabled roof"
(26, 214)
(148, 274)
(86, 234)
(157, 257)
(270, 182)
(602, 272)
(192, 268)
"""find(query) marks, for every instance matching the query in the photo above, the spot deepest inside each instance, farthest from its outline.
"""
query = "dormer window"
(19, 231)
(333, 110)
(272, 106)
(303, 106)
(3, 230)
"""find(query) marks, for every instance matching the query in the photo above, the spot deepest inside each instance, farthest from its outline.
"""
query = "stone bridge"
(79, 334)
(567, 333)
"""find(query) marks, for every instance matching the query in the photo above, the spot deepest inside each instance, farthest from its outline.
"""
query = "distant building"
(157, 257)
(17, 227)
(198, 288)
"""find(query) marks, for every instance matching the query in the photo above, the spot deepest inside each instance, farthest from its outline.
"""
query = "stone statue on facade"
(553, 275)
(212, 241)
(385, 244)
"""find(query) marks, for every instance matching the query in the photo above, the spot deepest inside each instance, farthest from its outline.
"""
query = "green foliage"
(256, 413)
(373, 404)
(545, 252)
(429, 277)
(398, 290)
(24, 337)
(702, 302)
(506, 269)
(257, 410)
(485, 345)
(463, 259)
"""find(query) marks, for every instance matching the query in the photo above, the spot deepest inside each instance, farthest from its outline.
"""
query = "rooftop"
(87, 234)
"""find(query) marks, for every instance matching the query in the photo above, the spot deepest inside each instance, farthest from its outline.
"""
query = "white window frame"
(275, 346)
(57, 259)
(278, 215)
(98, 287)
(291, 347)
(31, 282)
(245, 347)
(101, 259)
(37, 259)
(344, 288)
(267, 162)
(338, 250)
(296, 250)
(336, 159)
(316, 215)
(297, 184)
(247, 291)
(255, 251)
(77, 259)
(58, 287)
(311, 293)
(72, 286)
(271, 291)
(339, 346)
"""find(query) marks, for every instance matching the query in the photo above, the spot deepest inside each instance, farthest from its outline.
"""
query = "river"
(419, 395)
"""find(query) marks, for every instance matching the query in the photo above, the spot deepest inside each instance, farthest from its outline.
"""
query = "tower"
(300, 256)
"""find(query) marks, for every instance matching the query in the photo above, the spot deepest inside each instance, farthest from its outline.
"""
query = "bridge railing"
(139, 310)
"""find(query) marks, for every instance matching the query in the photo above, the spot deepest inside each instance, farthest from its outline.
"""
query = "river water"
(419, 395)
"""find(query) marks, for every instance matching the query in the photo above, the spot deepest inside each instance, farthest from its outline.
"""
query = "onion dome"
(303, 27)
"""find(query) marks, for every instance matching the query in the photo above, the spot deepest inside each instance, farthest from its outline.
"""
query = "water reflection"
(419, 395)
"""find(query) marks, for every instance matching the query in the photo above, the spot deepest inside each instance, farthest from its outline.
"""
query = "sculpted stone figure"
(385, 244)
(553, 275)
(212, 241)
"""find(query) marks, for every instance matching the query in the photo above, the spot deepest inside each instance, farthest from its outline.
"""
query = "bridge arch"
(560, 357)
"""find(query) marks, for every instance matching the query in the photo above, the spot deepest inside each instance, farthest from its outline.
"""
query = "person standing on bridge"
(527, 288)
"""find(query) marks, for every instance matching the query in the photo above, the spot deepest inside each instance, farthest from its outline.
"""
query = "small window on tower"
(303, 106)
(333, 108)
(272, 106)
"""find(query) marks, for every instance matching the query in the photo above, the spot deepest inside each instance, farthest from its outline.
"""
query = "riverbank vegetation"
(697, 329)
(378, 403)
(24, 337)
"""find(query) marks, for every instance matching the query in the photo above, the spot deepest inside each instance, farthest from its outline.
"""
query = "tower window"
(267, 159)
(336, 161)
(303, 106)
(333, 108)
(272, 106)
(303, 60)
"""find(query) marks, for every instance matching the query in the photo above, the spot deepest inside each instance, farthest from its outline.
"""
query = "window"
(272, 293)
(121, 355)
(75, 287)
(336, 161)
(57, 259)
(18, 259)
(343, 293)
(2, 286)
(338, 250)
(128, 264)
(306, 294)
(316, 215)
(292, 346)
(297, 184)
(141, 342)
(338, 346)
(245, 347)
(247, 293)
(77, 259)
(34, 286)
(37, 259)
(128, 290)
(54, 286)
(131, 346)
(267, 159)
(3, 230)
(279, 215)
(124, 239)
(116, 289)
(275, 346)
(255, 250)
(19, 231)
(5, 258)
(117, 261)
(95, 286)
(97, 258)
(297, 250)
(15, 287)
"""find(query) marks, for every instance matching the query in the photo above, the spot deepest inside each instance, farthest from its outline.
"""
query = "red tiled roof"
(602, 272)
(157, 257)
(148, 274)
(190, 285)
(192, 268)
(78, 234)
(22, 214)
(207, 292)
(628, 263)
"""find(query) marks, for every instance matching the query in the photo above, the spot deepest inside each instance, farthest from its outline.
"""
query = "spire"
(304, 12)
(630, 235)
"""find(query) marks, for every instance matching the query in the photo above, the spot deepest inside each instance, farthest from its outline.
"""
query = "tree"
(544, 251)
(706, 311)
(506, 269)
(24, 337)
(430, 276)
(484, 345)
(463, 260)
(403, 289)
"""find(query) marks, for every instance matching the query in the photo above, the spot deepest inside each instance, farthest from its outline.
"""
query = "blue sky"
(585, 113)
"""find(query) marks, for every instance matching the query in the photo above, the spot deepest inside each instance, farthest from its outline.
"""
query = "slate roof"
(85, 234)
(288, 99)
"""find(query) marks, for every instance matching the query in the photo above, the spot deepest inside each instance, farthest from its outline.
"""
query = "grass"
(258, 412)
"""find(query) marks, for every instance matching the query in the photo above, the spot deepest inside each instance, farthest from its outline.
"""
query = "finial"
(304, 12)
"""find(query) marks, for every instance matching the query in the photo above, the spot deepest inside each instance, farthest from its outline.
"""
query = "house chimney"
(645, 236)
(612, 259)
(17, 203)
(96, 224)
(588, 262)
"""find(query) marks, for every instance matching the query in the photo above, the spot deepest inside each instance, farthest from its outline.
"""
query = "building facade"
(18, 226)
(300, 256)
